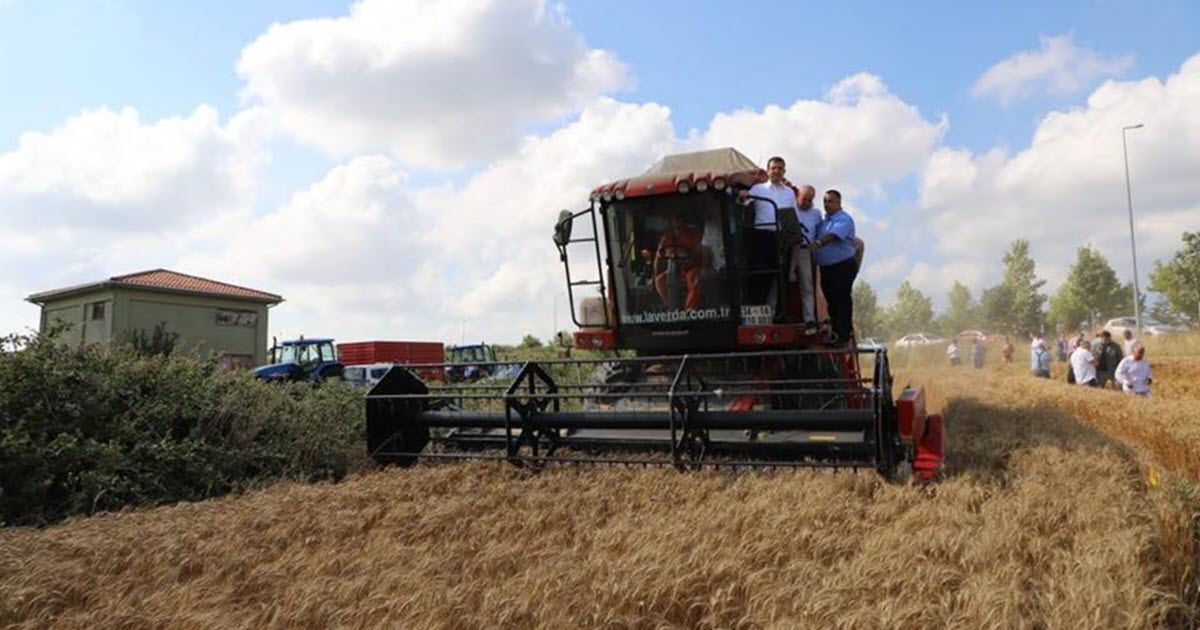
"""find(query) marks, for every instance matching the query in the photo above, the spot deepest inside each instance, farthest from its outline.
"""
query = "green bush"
(100, 428)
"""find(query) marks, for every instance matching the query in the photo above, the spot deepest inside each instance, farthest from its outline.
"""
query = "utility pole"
(1137, 309)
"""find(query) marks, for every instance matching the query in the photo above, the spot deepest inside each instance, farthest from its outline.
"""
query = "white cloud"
(361, 254)
(106, 193)
(935, 280)
(1068, 187)
(858, 138)
(433, 82)
(107, 170)
(885, 270)
(480, 253)
(1059, 67)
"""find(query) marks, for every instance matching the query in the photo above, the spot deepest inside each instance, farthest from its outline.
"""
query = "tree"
(1091, 293)
(161, 342)
(961, 313)
(529, 341)
(866, 310)
(1015, 305)
(911, 312)
(995, 308)
(1179, 279)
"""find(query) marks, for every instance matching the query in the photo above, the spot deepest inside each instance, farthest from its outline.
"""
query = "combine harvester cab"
(708, 361)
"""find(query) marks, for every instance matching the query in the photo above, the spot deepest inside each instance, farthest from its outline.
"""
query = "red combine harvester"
(711, 363)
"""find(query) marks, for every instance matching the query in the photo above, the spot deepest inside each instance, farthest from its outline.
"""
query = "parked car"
(969, 335)
(1155, 328)
(872, 343)
(1117, 326)
(365, 375)
(918, 339)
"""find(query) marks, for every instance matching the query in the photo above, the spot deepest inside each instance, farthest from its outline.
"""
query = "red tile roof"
(170, 281)
(167, 279)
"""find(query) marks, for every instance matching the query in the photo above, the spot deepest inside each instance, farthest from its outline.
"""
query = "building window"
(231, 317)
(97, 309)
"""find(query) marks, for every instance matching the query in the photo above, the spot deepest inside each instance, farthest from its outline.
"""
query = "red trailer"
(403, 352)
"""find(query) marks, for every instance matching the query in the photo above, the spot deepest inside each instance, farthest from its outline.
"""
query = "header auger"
(711, 364)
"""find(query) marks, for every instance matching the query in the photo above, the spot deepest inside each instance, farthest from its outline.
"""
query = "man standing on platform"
(836, 257)
(802, 262)
(762, 240)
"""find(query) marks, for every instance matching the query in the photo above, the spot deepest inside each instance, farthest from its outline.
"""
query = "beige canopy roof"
(684, 172)
(727, 160)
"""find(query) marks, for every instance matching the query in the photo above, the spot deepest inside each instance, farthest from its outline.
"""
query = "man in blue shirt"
(836, 255)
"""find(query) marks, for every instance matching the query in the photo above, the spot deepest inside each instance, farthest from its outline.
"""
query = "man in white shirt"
(952, 352)
(1133, 372)
(1083, 365)
(762, 243)
(1129, 342)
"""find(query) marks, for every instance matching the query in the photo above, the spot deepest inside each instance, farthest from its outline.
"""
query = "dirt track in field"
(1049, 517)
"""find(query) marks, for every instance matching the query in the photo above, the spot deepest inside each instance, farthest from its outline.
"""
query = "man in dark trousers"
(1108, 357)
(836, 256)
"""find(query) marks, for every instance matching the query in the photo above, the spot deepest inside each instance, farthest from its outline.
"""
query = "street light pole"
(1137, 309)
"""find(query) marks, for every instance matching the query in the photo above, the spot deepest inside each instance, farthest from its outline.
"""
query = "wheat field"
(1059, 510)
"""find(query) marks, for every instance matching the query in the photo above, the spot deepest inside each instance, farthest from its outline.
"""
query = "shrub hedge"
(100, 428)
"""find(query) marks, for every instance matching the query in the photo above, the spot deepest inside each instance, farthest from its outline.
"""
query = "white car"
(968, 335)
(871, 343)
(365, 375)
(918, 339)
(1119, 325)
(1155, 328)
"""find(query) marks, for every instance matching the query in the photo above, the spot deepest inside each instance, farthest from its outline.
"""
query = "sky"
(394, 168)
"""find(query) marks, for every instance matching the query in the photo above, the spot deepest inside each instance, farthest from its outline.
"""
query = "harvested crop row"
(1043, 522)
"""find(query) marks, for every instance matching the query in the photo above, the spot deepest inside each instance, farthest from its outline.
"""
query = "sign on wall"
(232, 317)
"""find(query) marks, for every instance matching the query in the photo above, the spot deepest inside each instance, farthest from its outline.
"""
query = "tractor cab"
(469, 362)
(302, 359)
(679, 275)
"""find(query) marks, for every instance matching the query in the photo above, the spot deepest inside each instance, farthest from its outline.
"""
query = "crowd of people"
(1100, 363)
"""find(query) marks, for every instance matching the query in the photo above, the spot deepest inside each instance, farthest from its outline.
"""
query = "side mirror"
(562, 229)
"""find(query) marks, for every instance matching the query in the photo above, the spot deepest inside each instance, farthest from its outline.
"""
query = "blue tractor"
(302, 360)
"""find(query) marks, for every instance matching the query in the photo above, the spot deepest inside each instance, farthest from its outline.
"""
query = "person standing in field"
(1083, 365)
(978, 353)
(953, 354)
(1133, 373)
(1035, 340)
(1129, 341)
(1039, 361)
(1007, 351)
(1108, 356)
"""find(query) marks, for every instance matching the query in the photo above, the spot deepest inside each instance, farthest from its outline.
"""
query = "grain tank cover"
(683, 172)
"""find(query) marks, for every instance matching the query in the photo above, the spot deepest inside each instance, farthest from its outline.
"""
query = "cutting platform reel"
(792, 408)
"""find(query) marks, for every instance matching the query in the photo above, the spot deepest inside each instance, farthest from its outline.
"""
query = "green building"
(207, 315)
